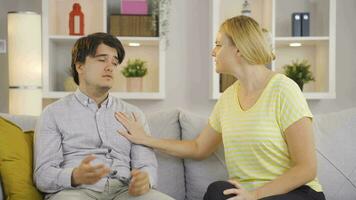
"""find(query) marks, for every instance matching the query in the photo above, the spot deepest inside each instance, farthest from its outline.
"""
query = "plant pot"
(300, 84)
(134, 84)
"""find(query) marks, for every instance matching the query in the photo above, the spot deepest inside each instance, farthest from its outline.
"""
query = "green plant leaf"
(135, 68)
(299, 71)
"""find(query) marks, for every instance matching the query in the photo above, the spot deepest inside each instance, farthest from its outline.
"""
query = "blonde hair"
(251, 40)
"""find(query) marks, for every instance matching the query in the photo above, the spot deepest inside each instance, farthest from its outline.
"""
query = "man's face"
(98, 71)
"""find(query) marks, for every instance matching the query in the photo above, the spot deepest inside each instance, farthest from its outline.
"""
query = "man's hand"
(87, 174)
(140, 183)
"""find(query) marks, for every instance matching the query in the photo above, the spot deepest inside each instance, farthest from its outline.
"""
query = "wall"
(187, 58)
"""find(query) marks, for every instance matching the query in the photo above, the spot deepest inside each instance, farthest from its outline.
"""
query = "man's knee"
(215, 190)
(69, 195)
(151, 195)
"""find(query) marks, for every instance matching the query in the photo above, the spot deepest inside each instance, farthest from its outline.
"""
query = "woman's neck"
(253, 78)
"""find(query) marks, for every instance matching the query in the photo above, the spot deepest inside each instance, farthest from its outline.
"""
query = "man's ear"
(79, 67)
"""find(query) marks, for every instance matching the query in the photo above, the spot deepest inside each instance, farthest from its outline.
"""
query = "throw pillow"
(16, 162)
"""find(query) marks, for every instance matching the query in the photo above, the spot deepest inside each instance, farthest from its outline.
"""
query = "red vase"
(76, 20)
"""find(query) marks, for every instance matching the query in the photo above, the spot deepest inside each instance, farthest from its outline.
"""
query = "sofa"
(186, 179)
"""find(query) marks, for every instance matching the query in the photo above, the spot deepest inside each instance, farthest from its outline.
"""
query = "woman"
(263, 120)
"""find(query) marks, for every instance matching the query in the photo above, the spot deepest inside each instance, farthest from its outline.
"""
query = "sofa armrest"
(1, 191)
(25, 122)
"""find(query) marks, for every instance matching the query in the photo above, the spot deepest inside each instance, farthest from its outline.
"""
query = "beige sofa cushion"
(199, 174)
(165, 124)
(335, 135)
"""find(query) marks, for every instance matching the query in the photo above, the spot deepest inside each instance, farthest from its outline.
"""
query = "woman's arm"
(300, 141)
(199, 148)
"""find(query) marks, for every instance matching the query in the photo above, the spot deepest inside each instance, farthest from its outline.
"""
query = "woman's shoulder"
(285, 89)
(230, 91)
(283, 84)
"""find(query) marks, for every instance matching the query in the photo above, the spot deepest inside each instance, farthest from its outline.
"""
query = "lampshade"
(24, 57)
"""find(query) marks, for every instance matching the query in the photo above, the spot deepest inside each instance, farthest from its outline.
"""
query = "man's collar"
(85, 100)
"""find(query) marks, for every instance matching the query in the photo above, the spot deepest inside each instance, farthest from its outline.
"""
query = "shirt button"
(107, 155)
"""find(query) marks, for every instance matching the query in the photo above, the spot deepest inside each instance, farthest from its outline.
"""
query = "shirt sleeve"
(49, 177)
(215, 117)
(143, 157)
(292, 106)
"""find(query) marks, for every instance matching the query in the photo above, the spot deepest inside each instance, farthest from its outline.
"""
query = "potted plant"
(299, 71)
(134, 71)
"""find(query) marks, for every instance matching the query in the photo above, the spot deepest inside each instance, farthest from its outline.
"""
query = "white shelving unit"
(57, 45)
(275, 15)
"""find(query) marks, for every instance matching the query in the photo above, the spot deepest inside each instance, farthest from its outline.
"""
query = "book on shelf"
(296, 24)
(132, 25)
(305, 24)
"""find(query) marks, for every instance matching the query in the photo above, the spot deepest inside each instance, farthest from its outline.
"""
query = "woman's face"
(225, 54)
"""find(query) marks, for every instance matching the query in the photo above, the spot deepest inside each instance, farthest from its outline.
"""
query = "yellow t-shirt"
(256, 151)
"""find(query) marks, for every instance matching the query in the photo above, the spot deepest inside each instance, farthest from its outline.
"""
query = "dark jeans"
(216, 189)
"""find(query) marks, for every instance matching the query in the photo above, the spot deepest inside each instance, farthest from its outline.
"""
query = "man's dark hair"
(86, 46)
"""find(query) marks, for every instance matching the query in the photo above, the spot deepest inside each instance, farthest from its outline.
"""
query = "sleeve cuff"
(151, 176)
(65, 178)
(152, 185)
(213, 126)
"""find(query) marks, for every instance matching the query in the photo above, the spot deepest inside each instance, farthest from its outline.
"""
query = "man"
(78, 152)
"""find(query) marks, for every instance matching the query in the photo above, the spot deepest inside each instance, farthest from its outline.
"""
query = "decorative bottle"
(76, 20)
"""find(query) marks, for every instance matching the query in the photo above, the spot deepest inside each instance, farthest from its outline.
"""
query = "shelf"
(318, 48)
(121, 95)
(151, 81)
(285, 41)
(301, 38)
(143, 41)
(315, 52)
(57, 46)
(262, 10)
(59, 65)
(71, 37)
(58, 16)
(224, 9)
(61, 38)
(319, 16)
